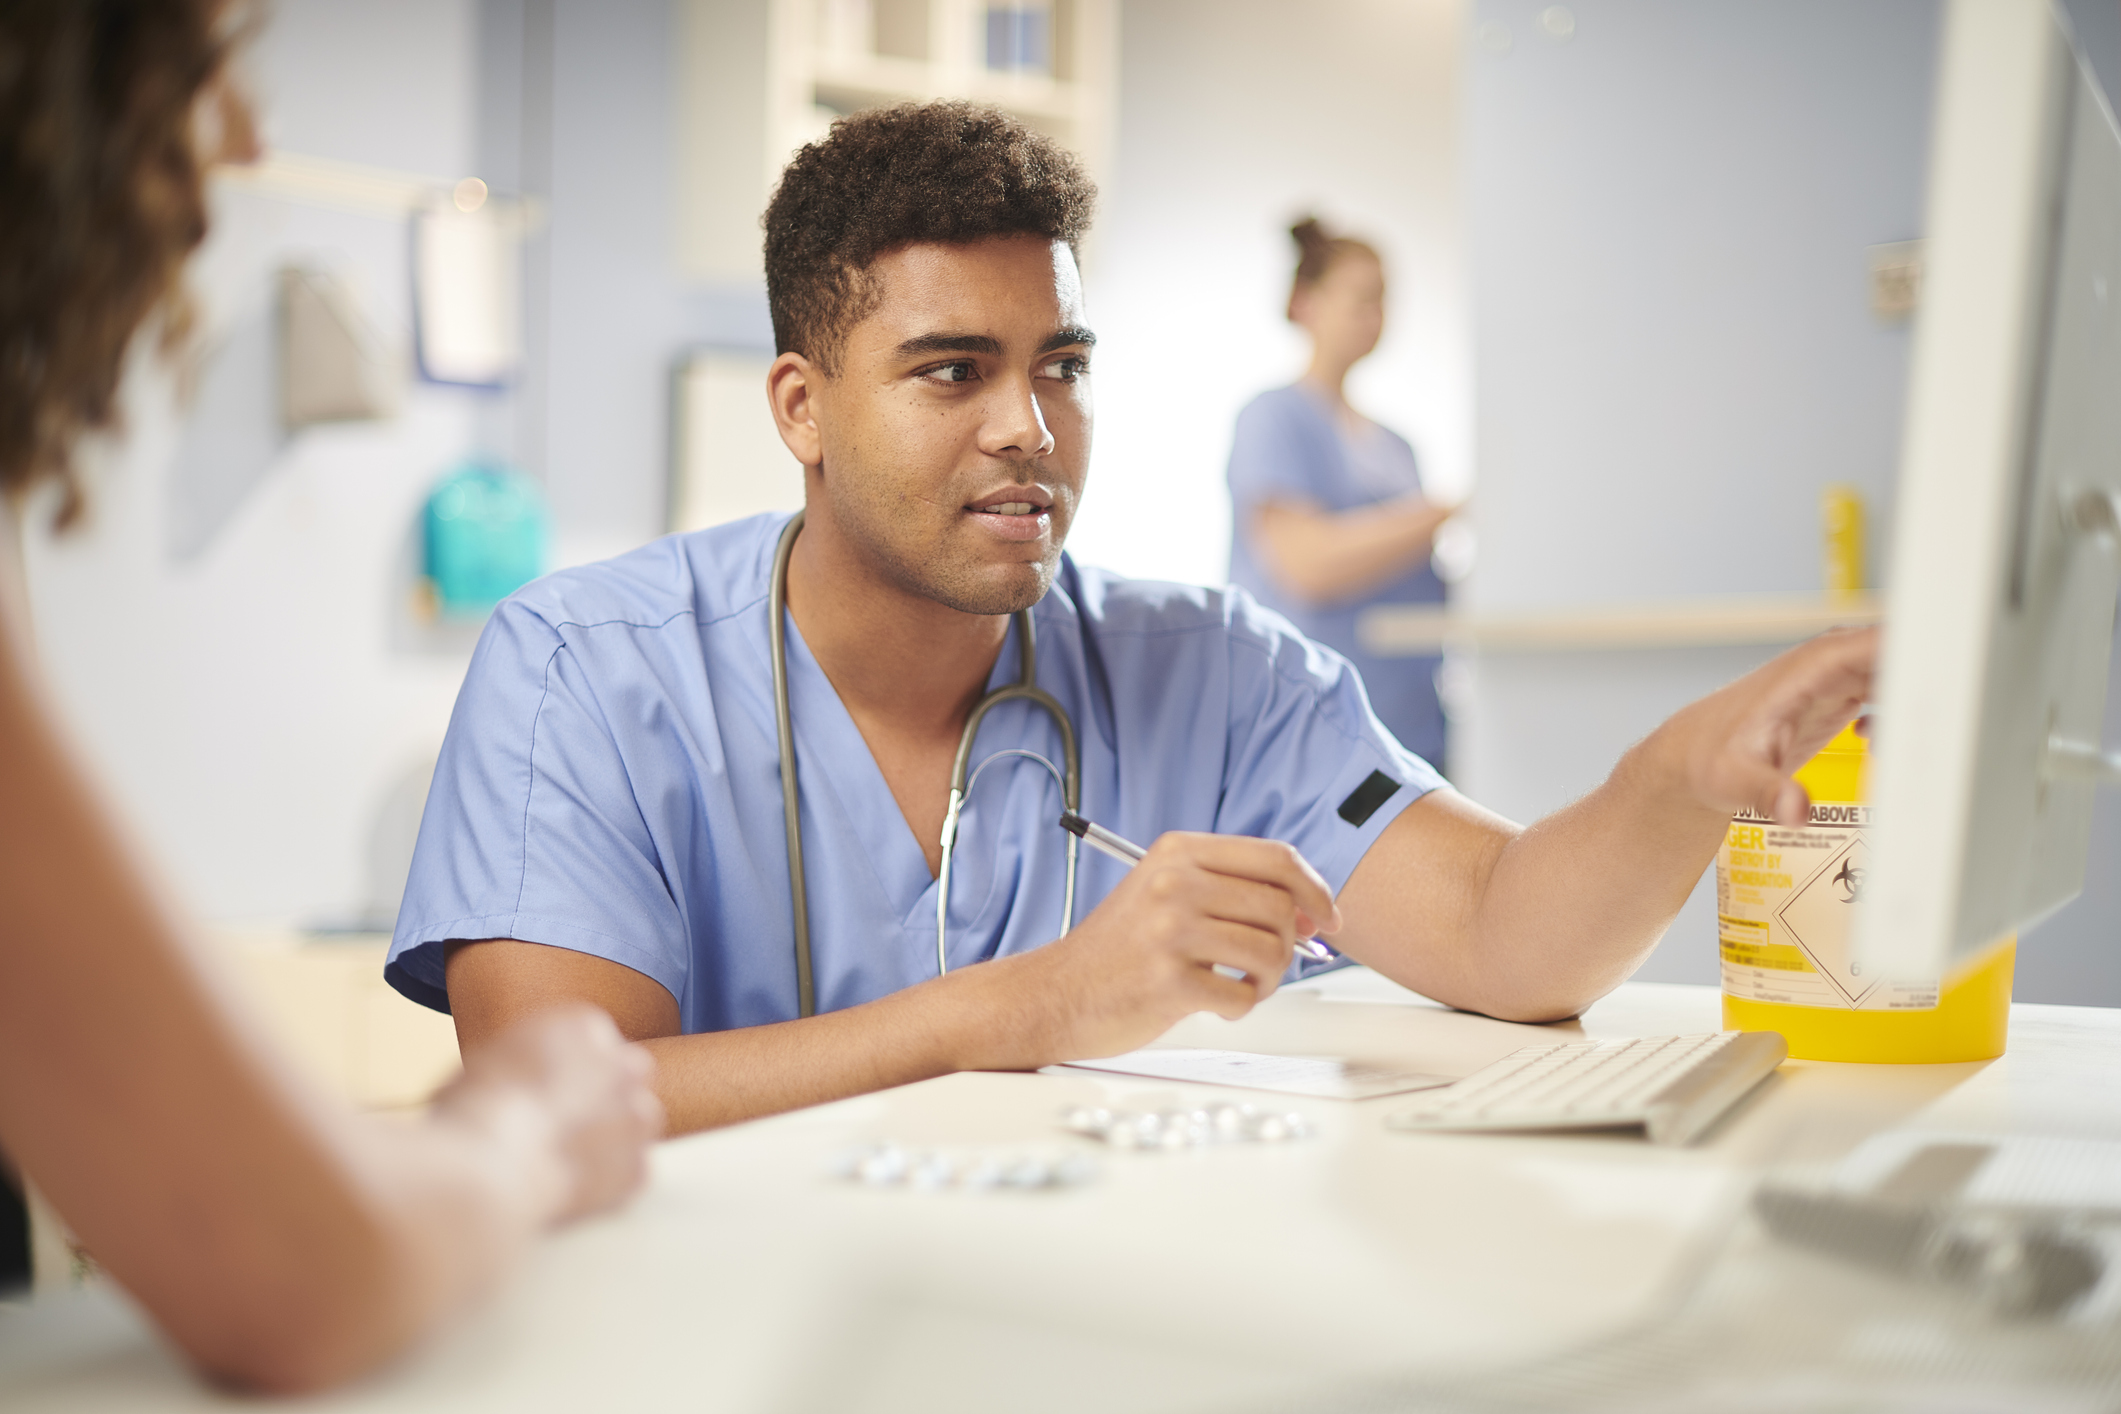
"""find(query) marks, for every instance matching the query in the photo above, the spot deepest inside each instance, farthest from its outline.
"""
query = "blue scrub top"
(611, 782)
(1289, 446)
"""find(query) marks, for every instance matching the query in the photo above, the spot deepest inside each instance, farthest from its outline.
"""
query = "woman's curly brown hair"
(949, 172)
(101, 200)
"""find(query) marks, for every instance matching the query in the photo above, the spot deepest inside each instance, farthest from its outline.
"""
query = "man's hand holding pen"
(1161, 947)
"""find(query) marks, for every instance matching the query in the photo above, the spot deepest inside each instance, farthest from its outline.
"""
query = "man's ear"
(792, 386)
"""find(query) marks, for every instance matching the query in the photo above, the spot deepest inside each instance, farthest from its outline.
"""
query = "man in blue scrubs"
(606, 820)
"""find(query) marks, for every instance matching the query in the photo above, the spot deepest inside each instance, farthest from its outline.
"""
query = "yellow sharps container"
(1785, 904)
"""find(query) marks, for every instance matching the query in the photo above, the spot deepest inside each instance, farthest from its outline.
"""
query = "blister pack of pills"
(932, 1170)
(1185, 1129)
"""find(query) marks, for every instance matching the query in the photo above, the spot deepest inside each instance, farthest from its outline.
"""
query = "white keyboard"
(1672, 1087)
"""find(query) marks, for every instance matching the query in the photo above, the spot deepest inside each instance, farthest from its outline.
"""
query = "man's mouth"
(1013, 501)
(1016, 514)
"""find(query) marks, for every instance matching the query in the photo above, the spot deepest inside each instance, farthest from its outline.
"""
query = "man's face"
(956, 435)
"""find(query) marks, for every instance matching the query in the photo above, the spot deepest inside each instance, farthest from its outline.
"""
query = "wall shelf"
(1715, 622)
(760, 78)
(830, 57)
(370, 191)
(850, 82)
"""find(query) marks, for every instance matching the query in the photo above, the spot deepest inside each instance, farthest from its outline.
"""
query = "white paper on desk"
(1324, 1077)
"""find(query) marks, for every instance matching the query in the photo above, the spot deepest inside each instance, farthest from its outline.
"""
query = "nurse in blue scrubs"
(1330, 514)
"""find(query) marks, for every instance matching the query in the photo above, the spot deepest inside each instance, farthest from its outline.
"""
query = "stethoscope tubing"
(799, 895)
(1025, 688)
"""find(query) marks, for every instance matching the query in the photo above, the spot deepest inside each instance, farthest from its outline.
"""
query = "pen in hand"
(1130, 854)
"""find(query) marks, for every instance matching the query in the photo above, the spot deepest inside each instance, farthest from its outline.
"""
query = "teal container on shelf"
(487, 535)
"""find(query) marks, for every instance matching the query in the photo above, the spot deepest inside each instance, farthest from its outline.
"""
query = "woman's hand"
(566, 1085)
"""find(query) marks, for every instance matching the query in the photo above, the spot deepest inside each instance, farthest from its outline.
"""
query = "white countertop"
(1249, 1276)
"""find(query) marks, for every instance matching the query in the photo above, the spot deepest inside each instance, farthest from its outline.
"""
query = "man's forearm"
(1576, 901)
(1534, 925)
(957, 1022)
(1145, 958)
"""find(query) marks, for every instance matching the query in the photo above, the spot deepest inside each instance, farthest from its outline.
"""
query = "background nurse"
(1329, 512)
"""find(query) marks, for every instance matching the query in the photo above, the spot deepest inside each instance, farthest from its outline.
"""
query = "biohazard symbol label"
(1818, 918)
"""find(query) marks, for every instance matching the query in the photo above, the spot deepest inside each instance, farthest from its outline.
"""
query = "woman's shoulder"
(1391, 438)
(1288, 411)
(1289, 400)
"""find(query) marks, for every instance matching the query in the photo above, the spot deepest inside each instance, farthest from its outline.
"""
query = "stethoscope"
(1025, 688)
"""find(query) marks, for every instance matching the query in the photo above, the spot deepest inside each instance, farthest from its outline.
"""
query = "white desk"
(1251, 1277)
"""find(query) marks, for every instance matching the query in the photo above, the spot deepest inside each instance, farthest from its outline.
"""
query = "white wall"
(1674, 352)
(579, 103)
(1669, 211)
(226, 633)
(1669, 217)
(232, 635)
(1234, 117)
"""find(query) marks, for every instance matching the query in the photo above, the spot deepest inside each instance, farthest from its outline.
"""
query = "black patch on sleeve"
(1362, 802)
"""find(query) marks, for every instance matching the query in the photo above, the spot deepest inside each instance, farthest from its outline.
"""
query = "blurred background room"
(492, 305)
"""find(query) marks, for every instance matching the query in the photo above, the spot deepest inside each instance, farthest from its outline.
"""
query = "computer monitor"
(2006, 556)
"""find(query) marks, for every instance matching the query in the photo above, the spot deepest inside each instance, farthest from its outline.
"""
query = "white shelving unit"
(759, 78)
(871, 52)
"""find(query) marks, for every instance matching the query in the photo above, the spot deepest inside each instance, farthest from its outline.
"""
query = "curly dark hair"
(101, 188)
(949, 172)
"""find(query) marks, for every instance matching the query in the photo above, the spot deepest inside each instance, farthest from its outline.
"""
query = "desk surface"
(1243, 1277)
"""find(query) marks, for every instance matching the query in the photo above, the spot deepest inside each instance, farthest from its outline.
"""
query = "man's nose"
(1016, 424)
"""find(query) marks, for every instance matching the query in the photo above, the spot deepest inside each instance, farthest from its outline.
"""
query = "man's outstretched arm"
(1536, 924)
(1142, 960)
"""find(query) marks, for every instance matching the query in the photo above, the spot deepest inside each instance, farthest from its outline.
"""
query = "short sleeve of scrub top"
(1273, 455)
(529, 743)
(610, 782)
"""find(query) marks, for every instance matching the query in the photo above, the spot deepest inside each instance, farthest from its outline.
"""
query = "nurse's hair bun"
(1316, 251)
(1313, 247)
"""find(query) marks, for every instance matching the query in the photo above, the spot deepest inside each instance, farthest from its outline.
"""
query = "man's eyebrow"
(923, 344)
(949, 343)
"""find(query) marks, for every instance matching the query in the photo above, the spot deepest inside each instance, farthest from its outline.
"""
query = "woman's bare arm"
(283, 1240)
(1328, 557)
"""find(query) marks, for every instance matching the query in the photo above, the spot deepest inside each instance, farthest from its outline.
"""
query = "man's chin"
(995, 589)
